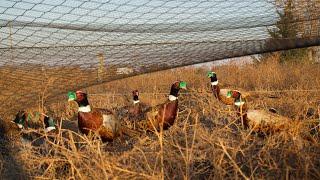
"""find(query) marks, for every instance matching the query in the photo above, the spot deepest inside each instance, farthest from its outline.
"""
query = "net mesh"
(50, 47)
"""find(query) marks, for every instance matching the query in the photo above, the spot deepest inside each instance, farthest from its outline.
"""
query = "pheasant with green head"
(100, 121)
(164, 115)
(25, 120)
(134, 112)
(240, 104)
(220, 94)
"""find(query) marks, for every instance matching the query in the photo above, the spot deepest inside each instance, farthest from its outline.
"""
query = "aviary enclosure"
(108, 48)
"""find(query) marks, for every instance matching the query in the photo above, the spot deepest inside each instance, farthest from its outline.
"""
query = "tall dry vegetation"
(206, 142)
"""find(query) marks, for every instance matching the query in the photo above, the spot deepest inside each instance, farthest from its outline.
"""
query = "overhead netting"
(50, 47)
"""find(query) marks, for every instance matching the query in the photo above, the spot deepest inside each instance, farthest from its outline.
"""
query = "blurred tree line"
(297, 19)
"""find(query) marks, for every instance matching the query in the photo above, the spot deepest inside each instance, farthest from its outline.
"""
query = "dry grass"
(206, 142)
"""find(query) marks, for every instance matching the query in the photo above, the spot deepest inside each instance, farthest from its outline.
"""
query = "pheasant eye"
(80, 96)
(135, 92)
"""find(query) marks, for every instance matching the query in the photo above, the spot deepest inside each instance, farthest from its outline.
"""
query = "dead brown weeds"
(206, 142)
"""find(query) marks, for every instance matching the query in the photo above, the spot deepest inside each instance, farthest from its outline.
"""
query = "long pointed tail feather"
(130, 132)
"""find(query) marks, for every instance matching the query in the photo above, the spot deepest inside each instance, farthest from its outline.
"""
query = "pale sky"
(118, 21)
(114, 23)
(134, 11)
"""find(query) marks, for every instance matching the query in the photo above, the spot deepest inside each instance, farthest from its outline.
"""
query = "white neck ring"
(172, 98)
(84, 108)
(239, 103)
(214, 83)
(48, 129)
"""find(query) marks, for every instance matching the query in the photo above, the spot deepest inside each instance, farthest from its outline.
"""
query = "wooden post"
(101, 70)
(11, 40)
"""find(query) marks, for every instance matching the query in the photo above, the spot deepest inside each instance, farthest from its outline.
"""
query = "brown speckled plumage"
(136, 110)
(242, 109)
(94, 120)
(164, 114)
(266, 121)
(220, 94)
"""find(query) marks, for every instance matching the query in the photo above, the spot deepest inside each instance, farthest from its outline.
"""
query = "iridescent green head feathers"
(211, 74)
(183, 85)
(71, 96)
(229, 94)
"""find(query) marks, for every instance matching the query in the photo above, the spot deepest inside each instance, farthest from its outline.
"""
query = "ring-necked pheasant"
(266, 121)
(137, 108)
(134, 112)
(25, 120)
(220, 94)
(240, 104)
(101, 121)
(164, 114)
